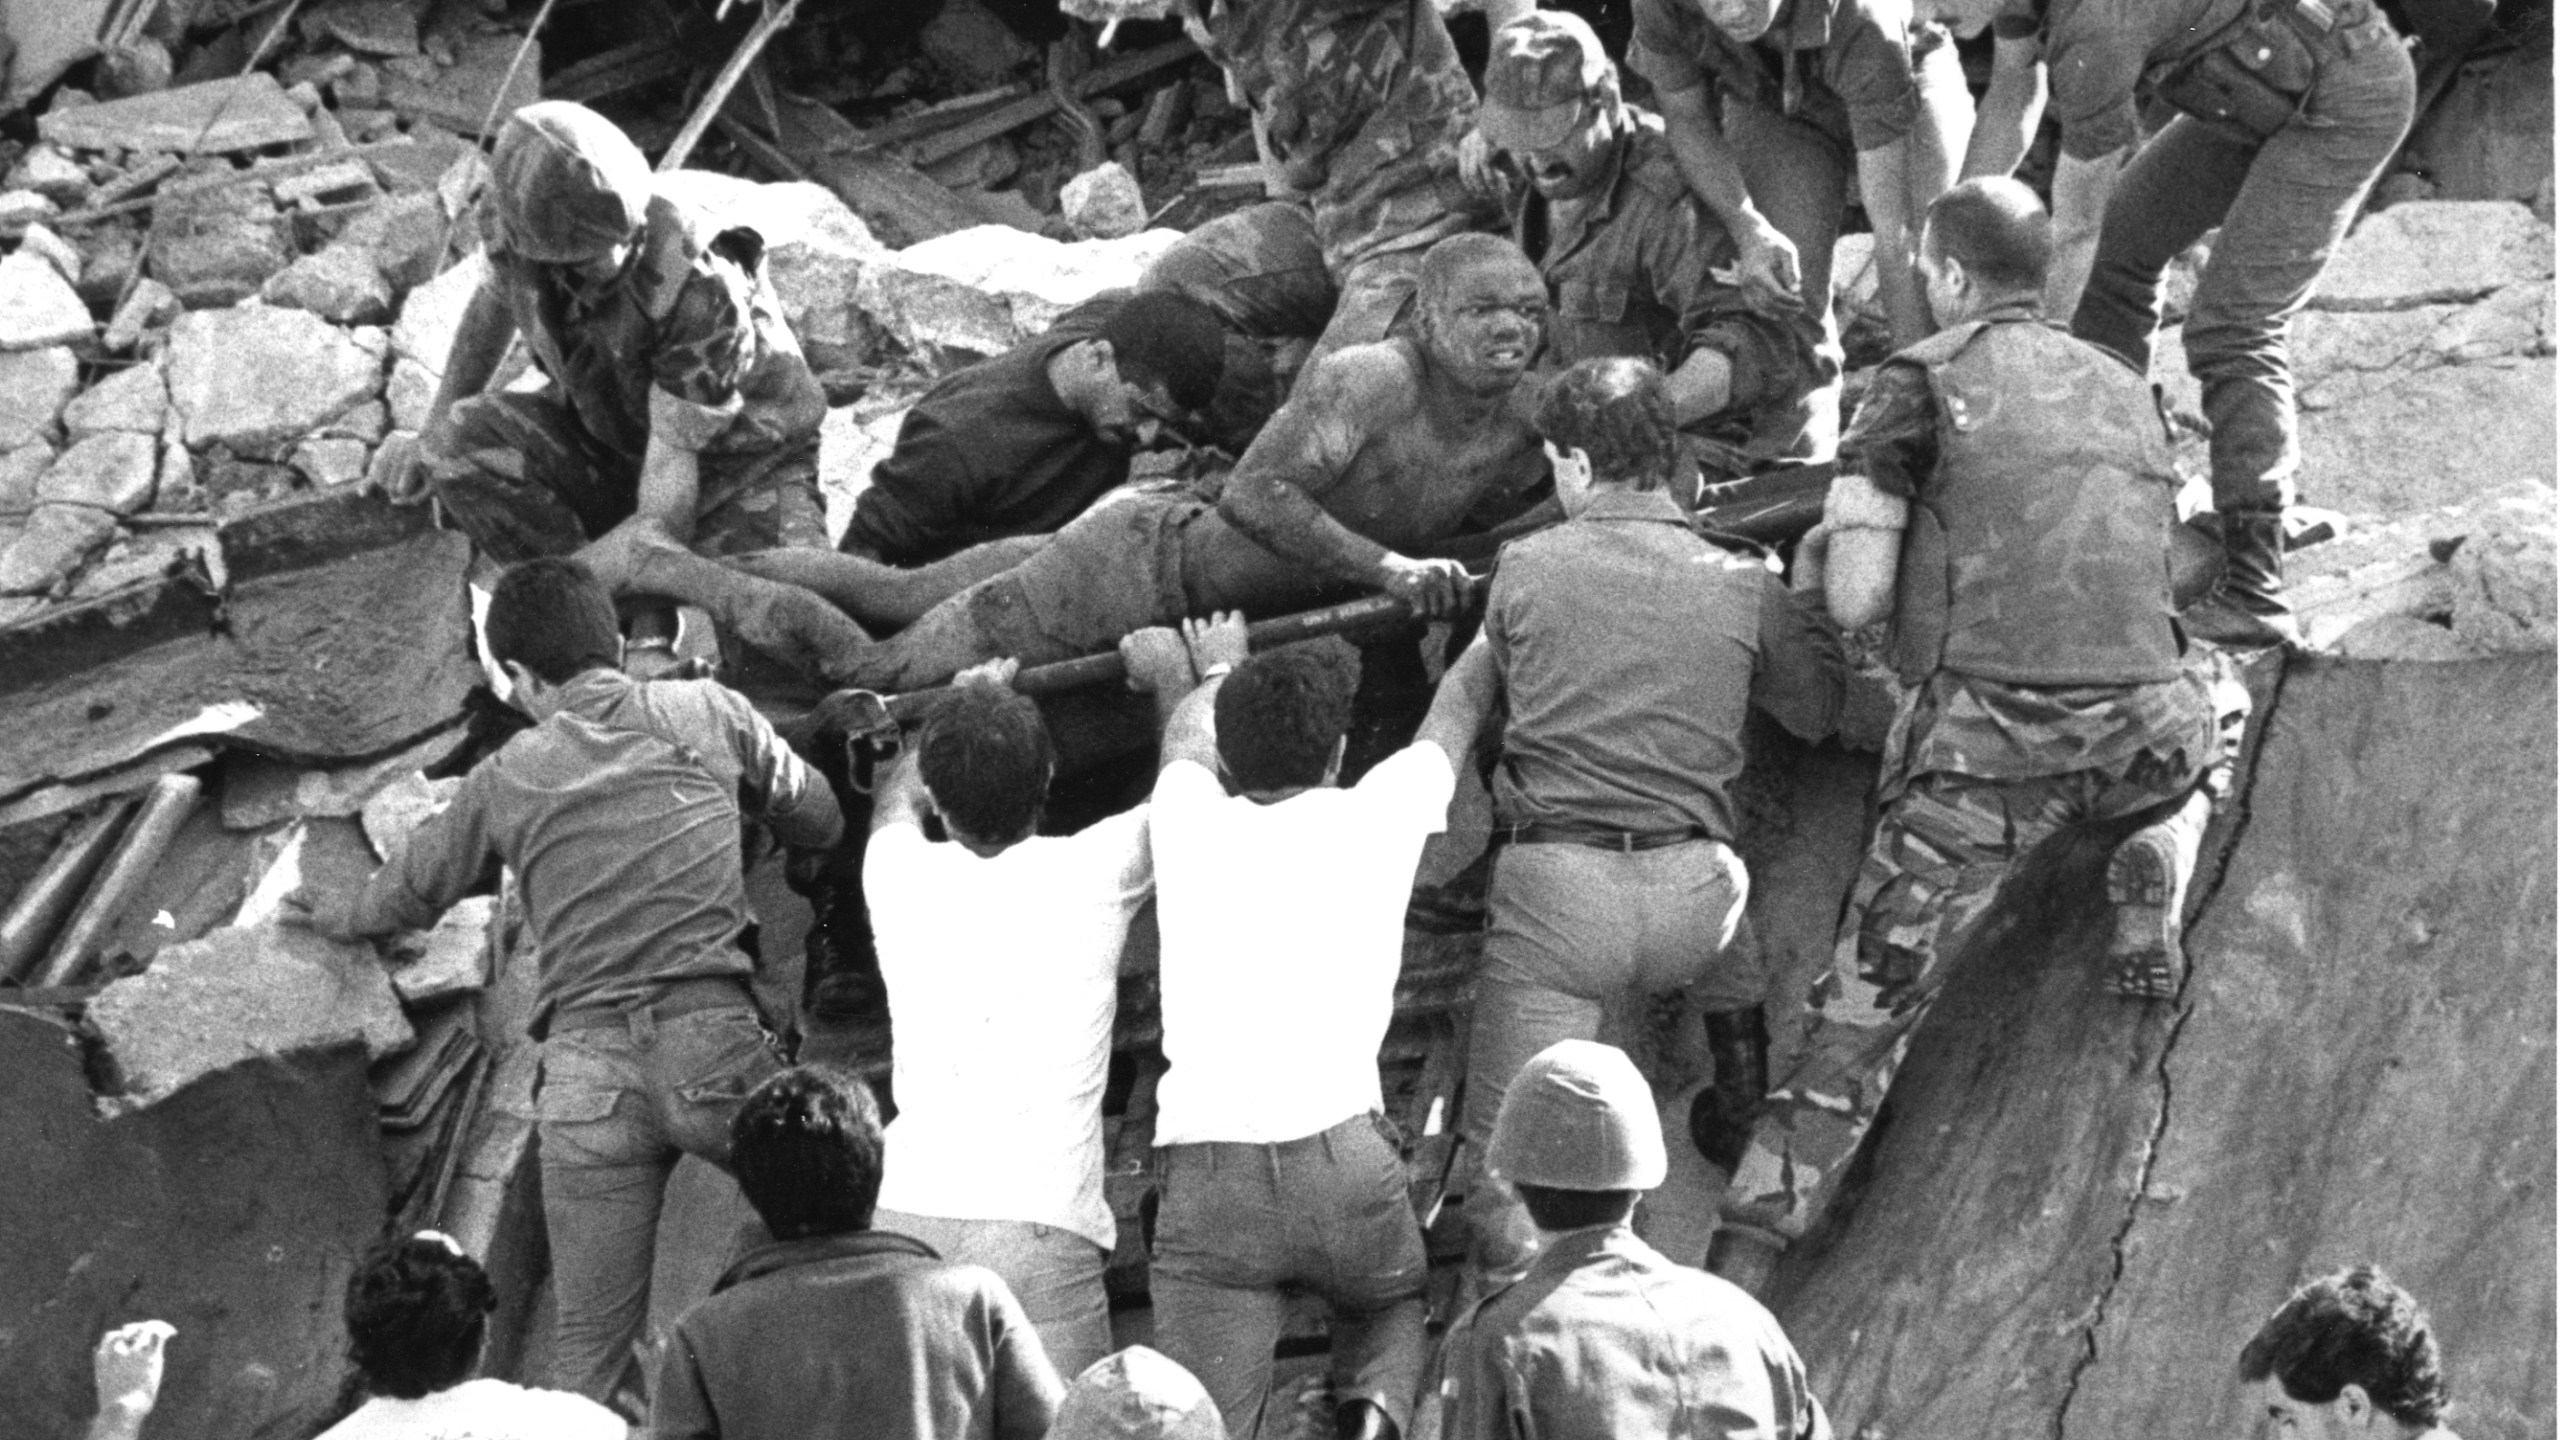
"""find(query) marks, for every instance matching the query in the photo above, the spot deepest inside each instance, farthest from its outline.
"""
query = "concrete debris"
(816, 249)
(111, 265)
(38, 306)
(214, 263)
(343, 183)
(178, 491)
(972, 46)
(242, 993)
(52, 174)
(34, 386)
(22, 208)
(20, 469)
(49, 38)
(850, 442)
(2503, 576)
(367, 422)
(411, 393)
(450, 959)
(326, 460)
(433, 312)
(988, 288)
(137, 558)
(2435, 252)
(134, 399)
(462, 96)
(113, 471)
(370, 27)
(56, 541)
(2489, 137)
(55, 250)
(392, 813)
(340, 283)
(149, 305)
(1104, 203)
(2402, 637)
(405, 235)
(246, 112)
(257, 379)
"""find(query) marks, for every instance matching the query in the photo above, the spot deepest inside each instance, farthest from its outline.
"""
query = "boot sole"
(2146, 957)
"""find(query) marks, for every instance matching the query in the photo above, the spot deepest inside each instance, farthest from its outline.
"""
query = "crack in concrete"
(2206, 889)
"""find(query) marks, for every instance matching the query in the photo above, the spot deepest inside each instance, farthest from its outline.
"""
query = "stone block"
(452, 958)
(2434, 251)
(410, 394)
(110, 268)
(987, 288)
(394, 812)
(433, 312)
(370, 27)
(2402, 637)
(972, 46)
(221, 263)
(1104, 203)
(55, 251)
(461, 96)
(20, 469)
(178, 491)
(135, 399)
(34, 386)
(239, 994)
(47, 171)
(367, 422)
(38, 307)
(114, 470)
(340, 283)
(244, 112)
(326, 461)
(57, 540)
(149, 304)
(2503, 576)
(258, 378)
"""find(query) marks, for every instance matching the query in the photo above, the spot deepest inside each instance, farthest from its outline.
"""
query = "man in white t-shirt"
(1000, 948)
(1282, 907)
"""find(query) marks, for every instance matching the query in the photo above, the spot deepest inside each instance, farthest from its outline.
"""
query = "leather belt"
(1625, 842)
(682, 997)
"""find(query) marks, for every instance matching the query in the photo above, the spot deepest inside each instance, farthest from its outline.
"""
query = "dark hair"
(1282, 712)
(1996, 228)
(555, 618)
(986, 757)
(1449, 258)
(1164, 337)
(805, 1146)
(1555, 1209)
(1617, 409)
(416, 1314)
(2352, 1328)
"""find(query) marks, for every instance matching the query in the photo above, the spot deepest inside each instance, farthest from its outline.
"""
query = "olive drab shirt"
(1843, 66)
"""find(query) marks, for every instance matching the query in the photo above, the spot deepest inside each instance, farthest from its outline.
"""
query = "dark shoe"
(1744, 1256)
(2247, 609)
(1721, 1116)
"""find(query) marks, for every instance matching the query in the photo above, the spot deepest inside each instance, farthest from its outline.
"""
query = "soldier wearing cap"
(1604, 1335)
(681, 416)
(1630, 256)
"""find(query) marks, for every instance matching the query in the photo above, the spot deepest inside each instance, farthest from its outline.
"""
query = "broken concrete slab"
(34, 387)
(246, 112)
(222, 262)
(38, 307)
(394, 812)
(258, 792)
(134, 399)
(368, 422)
(113, 470)
(2402, 637)
(149, 304)
(2506, 596)
(450, 959)
(20, 469)
(405, 235)
(986, 289)
(52, 174)
(258, 378)
(815, 251)
(55, 250)
(462, 96)
(433, 312)
(330, 460)
(346, 182)
(340, 283)
(1104, 203)
(369, 27)
(22, 209)
(239, 994)
(410, 394)
(2435, 251)
(56, 541)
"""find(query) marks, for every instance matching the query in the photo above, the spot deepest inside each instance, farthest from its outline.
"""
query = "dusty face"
(1572, 167)
(1485, 325)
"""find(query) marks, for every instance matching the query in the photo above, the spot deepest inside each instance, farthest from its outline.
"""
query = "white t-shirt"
(1283, 935)
(1003, 977)
(481, 1410)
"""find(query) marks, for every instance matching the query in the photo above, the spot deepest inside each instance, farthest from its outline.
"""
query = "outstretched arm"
(1459, 707)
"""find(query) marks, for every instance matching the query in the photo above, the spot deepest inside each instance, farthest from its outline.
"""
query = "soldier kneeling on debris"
(2007, 503)
(681, 416)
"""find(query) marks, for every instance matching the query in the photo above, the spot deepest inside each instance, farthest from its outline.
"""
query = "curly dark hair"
(805, 1147)
(1166, 338)
(555, 618)
(417, 1311)
(1282, 713)
(986, 756)
(1617, 410)
(2352, 1328)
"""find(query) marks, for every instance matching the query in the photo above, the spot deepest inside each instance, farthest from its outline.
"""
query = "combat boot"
(2147, 886)
(1721, 1116)
(2247, 609)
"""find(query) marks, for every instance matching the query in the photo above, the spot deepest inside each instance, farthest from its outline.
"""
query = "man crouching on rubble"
(619, 814)
(680, 417)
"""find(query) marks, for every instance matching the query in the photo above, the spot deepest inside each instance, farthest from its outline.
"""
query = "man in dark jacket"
(836, 1329)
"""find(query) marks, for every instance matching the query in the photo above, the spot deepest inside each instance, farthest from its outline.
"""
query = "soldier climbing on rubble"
(1631, 258)
(681, 417)
(1383, 454)
(620, 813)
(2290, 112)
(2008, 507)
(1631, 649)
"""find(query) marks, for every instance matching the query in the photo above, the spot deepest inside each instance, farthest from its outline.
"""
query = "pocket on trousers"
(572, 1088)
(735, 1055)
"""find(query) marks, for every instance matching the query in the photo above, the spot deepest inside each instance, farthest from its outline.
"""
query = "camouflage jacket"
(1364, 104)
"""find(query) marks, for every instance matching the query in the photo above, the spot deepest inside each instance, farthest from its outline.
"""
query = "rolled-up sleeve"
(1773, 356)
(1663, 50)
(783, 791)
(441, 861)
(705, 346)
(1868, 64)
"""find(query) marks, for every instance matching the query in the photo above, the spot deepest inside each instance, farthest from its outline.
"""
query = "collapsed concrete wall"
(235, 1210)
(2079, 1209)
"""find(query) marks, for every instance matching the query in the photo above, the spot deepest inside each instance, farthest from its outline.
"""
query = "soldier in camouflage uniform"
(681, 420)
(1630, 257)
(1363, 104)
(2008, 508)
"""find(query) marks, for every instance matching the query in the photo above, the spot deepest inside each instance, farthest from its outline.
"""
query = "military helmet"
(1579, 1117)
(568, 184)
